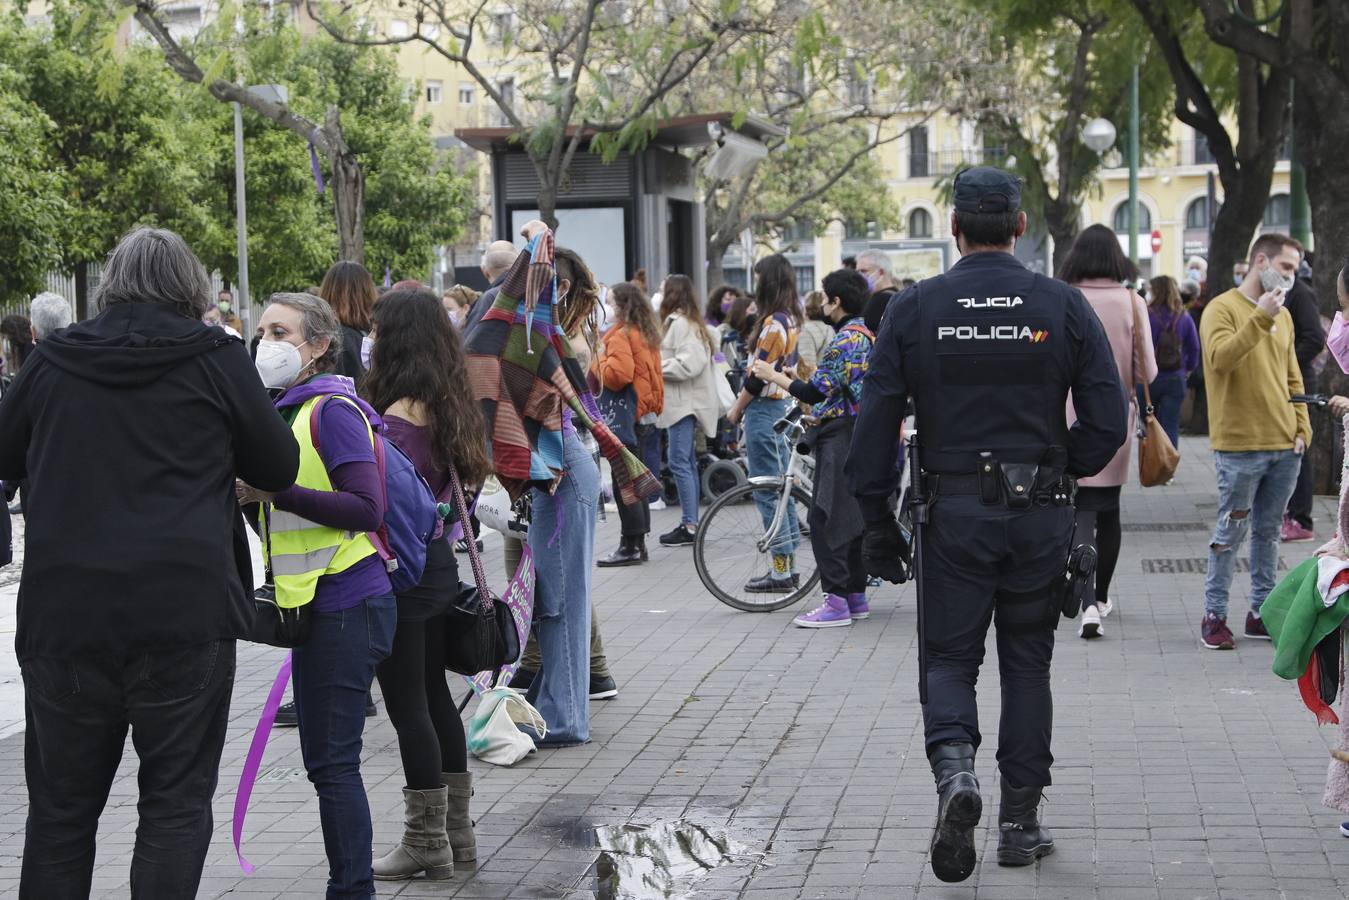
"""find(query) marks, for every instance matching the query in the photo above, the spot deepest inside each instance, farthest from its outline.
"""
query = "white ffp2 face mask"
(278, 363)
(1270, 279)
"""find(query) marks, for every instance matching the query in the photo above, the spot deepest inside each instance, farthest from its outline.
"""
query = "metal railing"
(939, 163)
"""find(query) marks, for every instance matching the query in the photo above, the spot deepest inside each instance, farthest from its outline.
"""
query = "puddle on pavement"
(659, 861)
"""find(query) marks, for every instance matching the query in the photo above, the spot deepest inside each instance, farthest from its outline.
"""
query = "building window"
(1278, 212)
(861, 231)
(1203, 156)
(502, 27)
(183, 22)
(805, 279)
(398, 28)
(434, 92)
(506, 87)
(1121, 219)
(431, 31)
(920, 224)
(798, 232)
(466, 93)
(919, 166)
(1196, 215)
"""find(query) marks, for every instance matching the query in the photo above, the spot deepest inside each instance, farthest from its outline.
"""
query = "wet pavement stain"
(660, 861)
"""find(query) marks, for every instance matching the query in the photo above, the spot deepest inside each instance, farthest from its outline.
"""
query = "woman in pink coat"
(1098, 268)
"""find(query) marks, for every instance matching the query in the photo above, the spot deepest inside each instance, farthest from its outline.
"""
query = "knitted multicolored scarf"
(524, 374)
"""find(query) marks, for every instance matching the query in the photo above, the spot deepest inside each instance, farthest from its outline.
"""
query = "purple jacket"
(1162, 320)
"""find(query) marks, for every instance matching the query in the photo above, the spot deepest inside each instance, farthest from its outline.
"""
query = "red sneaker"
(1255, 628)
(1215, 634)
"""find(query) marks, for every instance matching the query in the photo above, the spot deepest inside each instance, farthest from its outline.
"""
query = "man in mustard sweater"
(1257, 436)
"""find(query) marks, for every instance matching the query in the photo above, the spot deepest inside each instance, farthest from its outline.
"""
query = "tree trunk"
(349, 207)
(716, 271)
(1242, 212)
(548, 203)
(1063, 230)
(81, 291)
(1322, 131)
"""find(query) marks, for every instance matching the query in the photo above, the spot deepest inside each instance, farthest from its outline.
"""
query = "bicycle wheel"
(730, 548)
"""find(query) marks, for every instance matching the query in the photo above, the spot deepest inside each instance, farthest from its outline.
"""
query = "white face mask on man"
(279, 363)
(1271, 280)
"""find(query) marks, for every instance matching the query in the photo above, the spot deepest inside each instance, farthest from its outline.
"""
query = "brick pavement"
(1182, 773)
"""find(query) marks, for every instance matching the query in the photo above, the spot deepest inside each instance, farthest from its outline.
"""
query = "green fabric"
(1297, 620)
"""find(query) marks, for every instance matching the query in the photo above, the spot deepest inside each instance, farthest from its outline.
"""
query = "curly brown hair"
(632, 307)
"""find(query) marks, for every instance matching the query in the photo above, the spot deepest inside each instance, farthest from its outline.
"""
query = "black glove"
(885, 552)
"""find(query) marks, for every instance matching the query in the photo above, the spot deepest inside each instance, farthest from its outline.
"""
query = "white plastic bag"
(492, 733)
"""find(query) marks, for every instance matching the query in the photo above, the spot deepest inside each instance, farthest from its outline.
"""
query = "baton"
(917, 508)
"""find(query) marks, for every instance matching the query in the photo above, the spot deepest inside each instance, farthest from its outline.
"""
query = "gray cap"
(984, 189)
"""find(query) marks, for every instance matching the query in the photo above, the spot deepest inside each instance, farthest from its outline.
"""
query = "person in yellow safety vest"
(316, 547)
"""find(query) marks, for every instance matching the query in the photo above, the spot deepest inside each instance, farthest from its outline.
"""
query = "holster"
(1018, 482)
(1067, 591)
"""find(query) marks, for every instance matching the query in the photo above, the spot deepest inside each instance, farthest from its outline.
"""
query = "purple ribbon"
(314, 163)
(387, 273)
(254, 759)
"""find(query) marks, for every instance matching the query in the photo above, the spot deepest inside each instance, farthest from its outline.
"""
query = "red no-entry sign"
(1156, 242)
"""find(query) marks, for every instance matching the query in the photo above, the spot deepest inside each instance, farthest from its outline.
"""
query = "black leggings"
(412, 679)
(1098, 524)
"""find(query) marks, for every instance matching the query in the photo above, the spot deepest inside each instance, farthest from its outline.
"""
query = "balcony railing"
(939, 163)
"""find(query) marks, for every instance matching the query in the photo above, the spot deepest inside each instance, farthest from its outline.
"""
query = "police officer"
(989, 352)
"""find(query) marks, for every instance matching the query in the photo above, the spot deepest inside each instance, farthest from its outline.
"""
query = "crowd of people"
(280, 434)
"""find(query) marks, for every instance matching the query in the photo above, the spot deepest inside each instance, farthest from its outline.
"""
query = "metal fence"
(64, 284)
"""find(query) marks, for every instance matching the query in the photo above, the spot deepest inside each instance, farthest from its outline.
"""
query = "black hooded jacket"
(130, 429)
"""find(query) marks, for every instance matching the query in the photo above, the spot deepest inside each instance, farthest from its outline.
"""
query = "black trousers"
(1300, 504)
(834, 513)
(634, 519)
(176, 703)
(985, 564)
(1098, 524)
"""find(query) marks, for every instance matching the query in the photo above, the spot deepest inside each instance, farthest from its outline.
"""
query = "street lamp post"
(277, 93)
(1099, 135)
(1133, 166)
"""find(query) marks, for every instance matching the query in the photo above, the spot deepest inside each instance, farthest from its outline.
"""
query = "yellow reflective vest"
(297, 551)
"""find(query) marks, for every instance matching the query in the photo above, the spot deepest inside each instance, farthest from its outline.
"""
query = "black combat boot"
(958, 809)
(627, 554)
(639, 544)
(1021, 838)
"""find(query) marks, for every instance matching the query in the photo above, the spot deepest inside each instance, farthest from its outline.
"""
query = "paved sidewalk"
(1182, 772)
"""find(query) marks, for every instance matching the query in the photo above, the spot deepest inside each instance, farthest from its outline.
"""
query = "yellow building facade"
(1172, 201)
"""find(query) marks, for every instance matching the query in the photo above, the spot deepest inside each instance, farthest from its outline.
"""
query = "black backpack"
(1167, 347)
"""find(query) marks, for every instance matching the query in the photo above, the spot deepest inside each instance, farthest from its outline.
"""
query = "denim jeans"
(1168, 393)
(767, 454)
(562, 536)
(332, 672)
(684, 467)
(1258, 484)
(176, 702)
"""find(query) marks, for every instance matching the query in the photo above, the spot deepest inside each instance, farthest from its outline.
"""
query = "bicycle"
(732, 544)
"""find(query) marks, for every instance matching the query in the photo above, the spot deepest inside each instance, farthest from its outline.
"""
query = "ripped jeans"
(1253, 491)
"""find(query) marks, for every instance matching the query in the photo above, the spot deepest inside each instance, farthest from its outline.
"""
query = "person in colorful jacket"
(835, 389)
(316, 547)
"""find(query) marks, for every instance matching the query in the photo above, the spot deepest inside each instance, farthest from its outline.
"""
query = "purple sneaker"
(857, 606)
(829, 614)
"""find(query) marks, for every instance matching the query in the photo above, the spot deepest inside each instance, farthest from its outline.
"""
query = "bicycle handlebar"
(793, 415)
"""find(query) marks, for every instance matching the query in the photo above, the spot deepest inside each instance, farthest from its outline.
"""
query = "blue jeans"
(684, 467)
(333, 671)
(562, 536)
(767, 454)
(1253, 491)
(1168, 393)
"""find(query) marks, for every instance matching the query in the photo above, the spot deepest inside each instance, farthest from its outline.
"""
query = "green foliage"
(33, 209)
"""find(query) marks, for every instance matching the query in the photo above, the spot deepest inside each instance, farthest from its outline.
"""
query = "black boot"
(627, 554)
(958, 809)
(1021, 838)
(639, 544)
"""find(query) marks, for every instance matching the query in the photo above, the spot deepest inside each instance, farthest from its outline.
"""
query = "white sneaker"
(1090, 626)
(657, 504)
(1106, 608)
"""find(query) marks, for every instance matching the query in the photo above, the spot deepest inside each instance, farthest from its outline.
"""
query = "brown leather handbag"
(1157, 457)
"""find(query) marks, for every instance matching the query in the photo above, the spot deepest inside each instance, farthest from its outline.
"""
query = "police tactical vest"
(297, 551)
(993, 374)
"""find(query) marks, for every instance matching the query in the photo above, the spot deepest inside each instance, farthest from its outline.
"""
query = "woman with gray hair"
(316, 544)
(130, 429)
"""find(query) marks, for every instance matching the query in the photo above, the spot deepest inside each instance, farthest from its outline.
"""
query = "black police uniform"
(989, 352)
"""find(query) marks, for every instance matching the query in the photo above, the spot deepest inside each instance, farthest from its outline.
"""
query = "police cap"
(984, 189)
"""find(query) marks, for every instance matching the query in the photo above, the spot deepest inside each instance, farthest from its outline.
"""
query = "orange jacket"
(626, 359)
